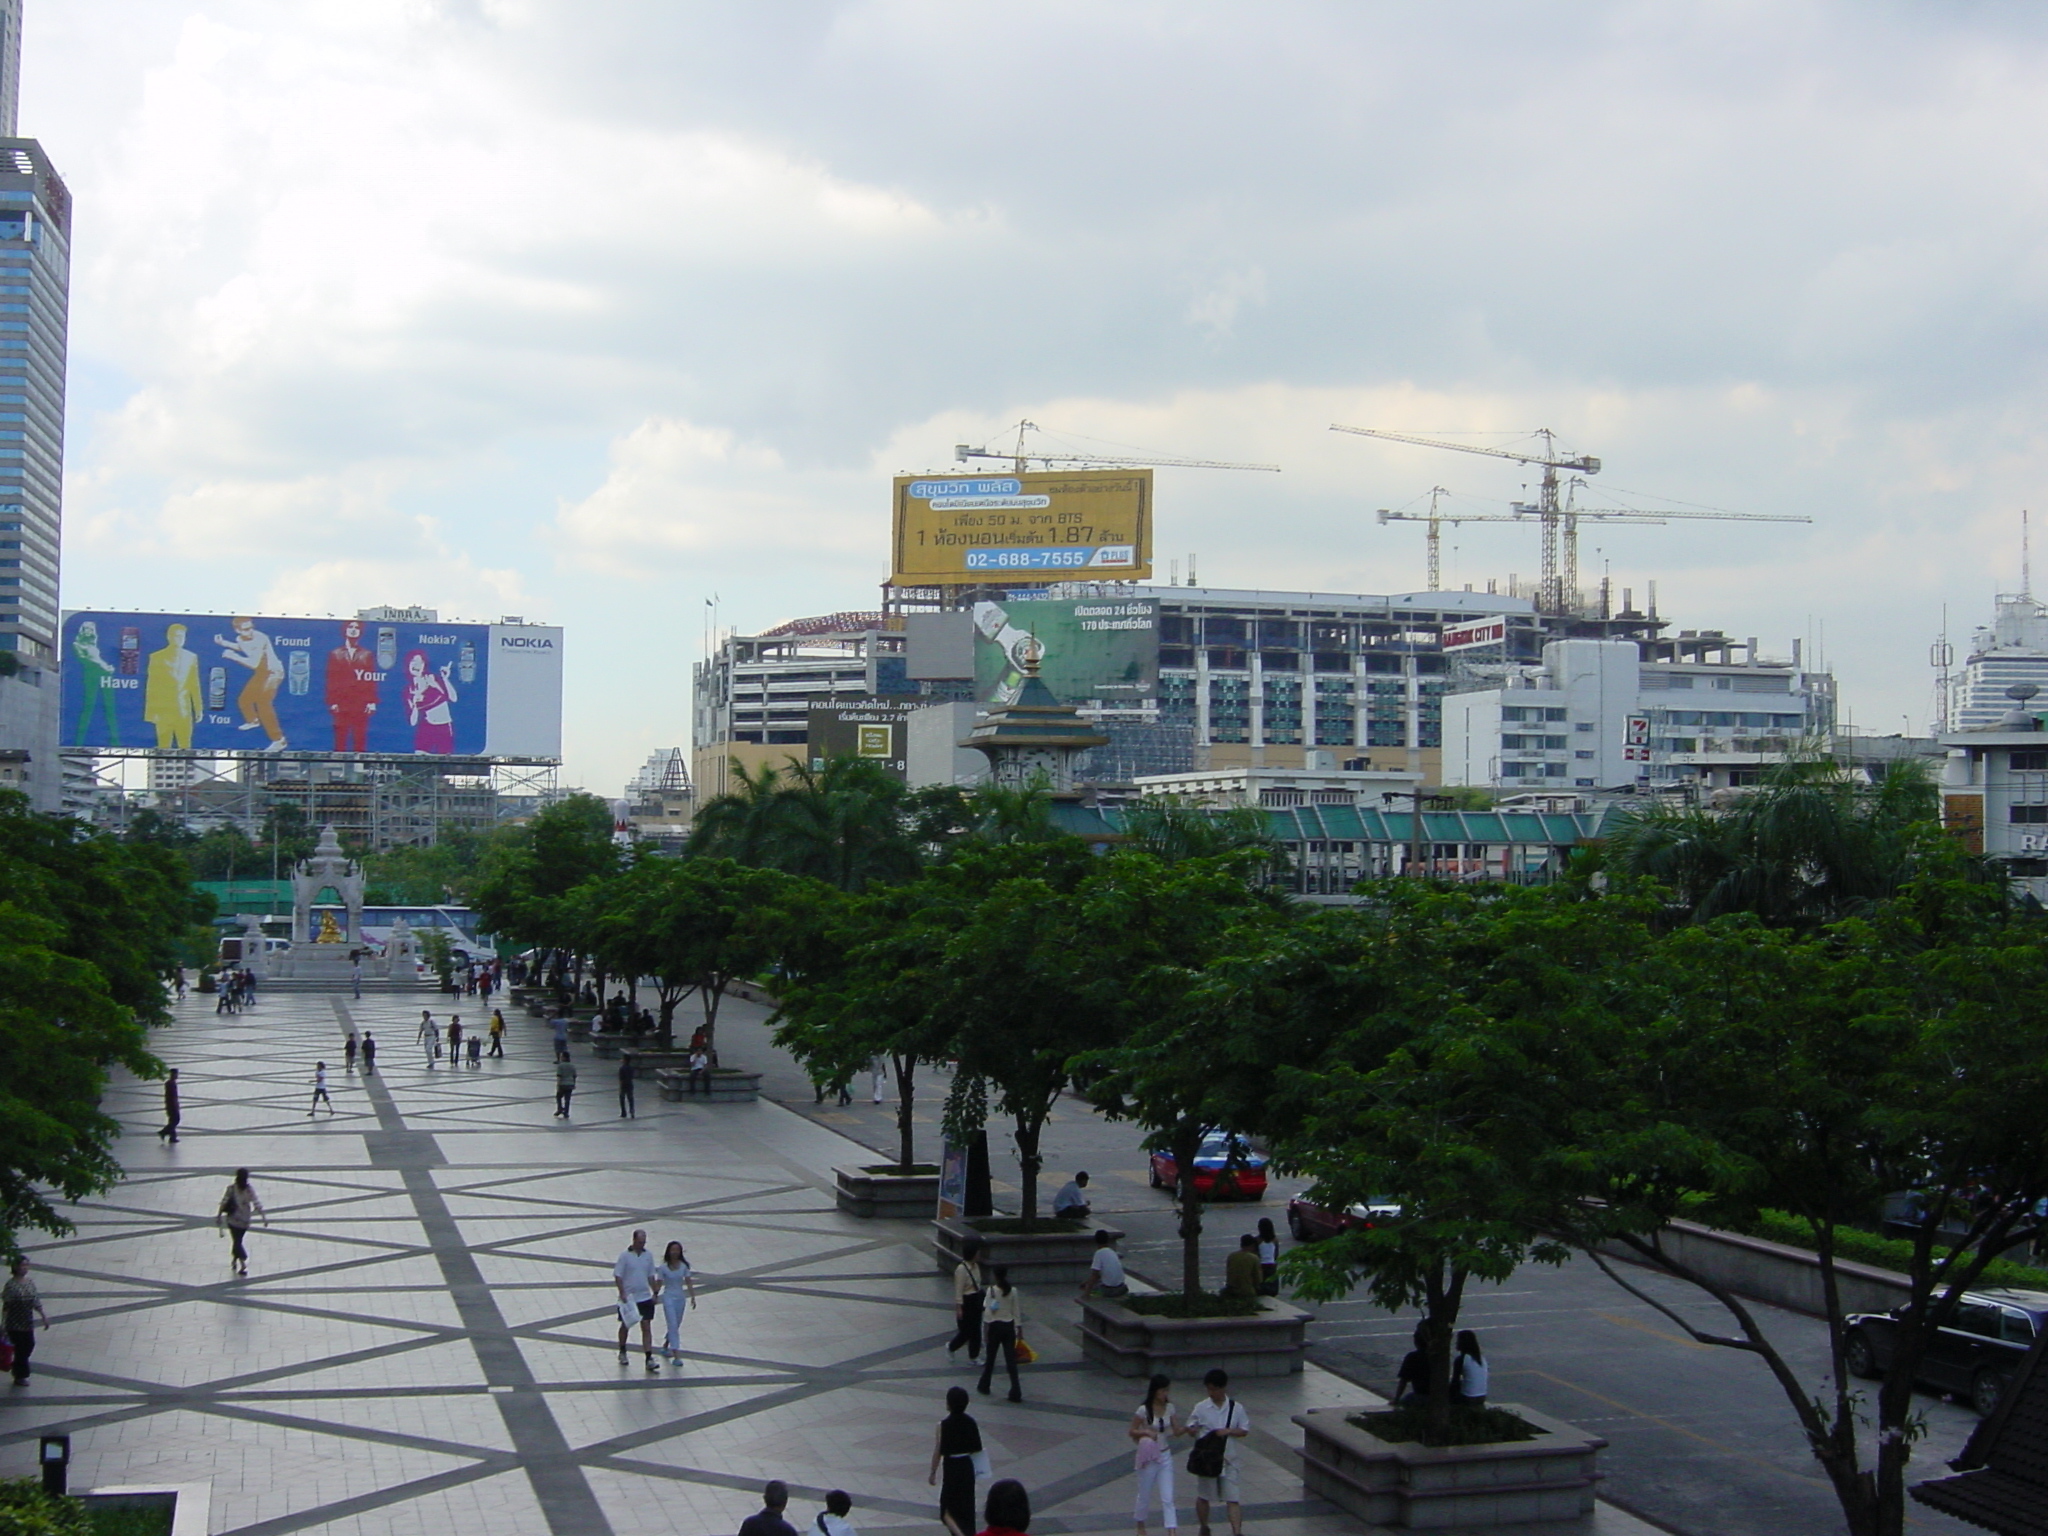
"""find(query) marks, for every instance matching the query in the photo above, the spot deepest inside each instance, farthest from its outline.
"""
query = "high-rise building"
(35, 281)
(2012, 649)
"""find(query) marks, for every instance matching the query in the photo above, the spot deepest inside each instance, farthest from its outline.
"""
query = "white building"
(1322, 782)
(2013, 649)
(1595, 715)
(1995, 789)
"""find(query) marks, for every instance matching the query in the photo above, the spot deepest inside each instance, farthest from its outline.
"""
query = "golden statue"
(330, 930)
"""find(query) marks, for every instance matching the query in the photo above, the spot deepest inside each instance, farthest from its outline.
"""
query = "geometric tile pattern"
(425, 1340)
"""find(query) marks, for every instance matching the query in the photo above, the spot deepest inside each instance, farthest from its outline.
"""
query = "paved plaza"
(426, 1343)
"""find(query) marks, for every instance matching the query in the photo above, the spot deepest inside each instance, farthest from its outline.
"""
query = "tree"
(863, 985)
(1814, 1074)
(1023, 1010)
(1173, 829)
(521, 888)
(1813, 843)
(429, 874)
(745, 824)
(1154, 927)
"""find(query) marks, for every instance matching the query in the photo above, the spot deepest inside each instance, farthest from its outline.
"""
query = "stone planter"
(727, 1086)
(911, 1196)
(1040, 1259)
(1419, 1487)
(1271, 1343)
(190, 1505)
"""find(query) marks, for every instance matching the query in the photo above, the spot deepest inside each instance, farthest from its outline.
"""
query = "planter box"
(1271, 1343)
(1037, 1260)
(727, 1087)
(1420, 1487)
(190, 1505)
(912, 1196)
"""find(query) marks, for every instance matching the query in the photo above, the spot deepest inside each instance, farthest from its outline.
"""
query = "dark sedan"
(1309, 1221)
(1975, 1356)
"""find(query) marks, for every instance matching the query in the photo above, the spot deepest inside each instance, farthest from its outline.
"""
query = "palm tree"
(1813, 843)
(743, 824)
(1173, 829)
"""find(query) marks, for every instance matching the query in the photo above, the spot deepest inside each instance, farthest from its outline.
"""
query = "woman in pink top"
(427, 697)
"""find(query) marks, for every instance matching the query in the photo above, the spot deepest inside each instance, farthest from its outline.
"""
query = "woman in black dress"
(954, 1449)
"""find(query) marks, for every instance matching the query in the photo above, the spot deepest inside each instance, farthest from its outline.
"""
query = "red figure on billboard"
(428, 694)
(352, 679)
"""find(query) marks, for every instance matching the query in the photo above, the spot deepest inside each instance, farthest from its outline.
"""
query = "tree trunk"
(1445, 1289)
(1029, 1128)
(1187, 1142)
(905, 1096)
(713, 990)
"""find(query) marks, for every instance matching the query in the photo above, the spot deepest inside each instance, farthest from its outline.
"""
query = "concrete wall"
(1772, 1272)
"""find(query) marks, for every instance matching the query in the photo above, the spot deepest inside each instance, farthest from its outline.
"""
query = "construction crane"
(1550, 590)
(1559, 515)
(1436, 519)
(1019, 459)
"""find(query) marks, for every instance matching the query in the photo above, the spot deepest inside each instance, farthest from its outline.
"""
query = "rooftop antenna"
(2026, 554)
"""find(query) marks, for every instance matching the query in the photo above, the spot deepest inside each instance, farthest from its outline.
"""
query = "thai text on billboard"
(1464, 637)
(231, 684)
(1100, 648)
(876, 731)
(959, 530)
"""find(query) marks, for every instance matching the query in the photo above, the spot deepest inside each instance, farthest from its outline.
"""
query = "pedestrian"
(832, 1519)
(634, 1276)
(497, 1032)
(627, 1111)
(956, 1450)
(678, 1289)
(1269, 1258)
(20, 1305)
(969, 1289)
(369, 1052)
(1469, 1371)
(1072, 1200)
(427, 1029)
(349, 1047)
(878, 1069)
(700, 1071)
(1241, 1270)
(560, 1026)
(432, 1041)
(1004, 1313)
(172, 1113)
(178, 980)
(565, 1086)
(770, 1521)
(1105, 1270)
(237, 1206)
(355, 975)
(319, 1090)
(454, 1038)
(1413, 1380)
(1152, 1427)
(1220, 1422)
(1008, 1512)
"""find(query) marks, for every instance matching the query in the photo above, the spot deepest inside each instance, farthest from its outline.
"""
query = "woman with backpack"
(237, 1206)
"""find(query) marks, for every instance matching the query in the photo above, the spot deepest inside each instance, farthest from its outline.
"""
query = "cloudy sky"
(588, 310)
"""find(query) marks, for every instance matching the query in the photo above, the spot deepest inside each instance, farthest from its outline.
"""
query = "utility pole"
(1418, 800)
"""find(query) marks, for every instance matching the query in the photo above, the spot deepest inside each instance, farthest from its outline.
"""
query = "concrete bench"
(727, 1086)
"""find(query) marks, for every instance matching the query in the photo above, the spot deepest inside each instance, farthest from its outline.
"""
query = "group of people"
(430, 1038)
(1468, 1371)
(643, 1284)
(234, 990)
(479, 979)
(988, 1314)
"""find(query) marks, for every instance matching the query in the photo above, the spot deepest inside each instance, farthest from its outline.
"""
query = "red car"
(1309, 1221)
(1225, 1168)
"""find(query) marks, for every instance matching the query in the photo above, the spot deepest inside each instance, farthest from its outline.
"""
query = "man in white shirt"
(634, 1276)
(1105, 1270)
(1072, 1200)
(1220, 1414)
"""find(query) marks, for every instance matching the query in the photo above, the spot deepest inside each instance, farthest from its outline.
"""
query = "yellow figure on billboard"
(171, 699)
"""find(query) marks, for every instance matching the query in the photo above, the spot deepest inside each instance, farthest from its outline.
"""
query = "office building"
(2012, 648)
(1598, 714)
(35, 280)
(1995, 790)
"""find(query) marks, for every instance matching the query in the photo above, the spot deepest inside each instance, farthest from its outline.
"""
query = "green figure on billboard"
(258, 699)
(171, 700)
(94, 676)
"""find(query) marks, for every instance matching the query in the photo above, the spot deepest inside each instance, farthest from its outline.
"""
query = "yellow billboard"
(1008, 529)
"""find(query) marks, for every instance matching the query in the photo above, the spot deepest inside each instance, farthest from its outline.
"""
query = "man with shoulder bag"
(1217, 1423)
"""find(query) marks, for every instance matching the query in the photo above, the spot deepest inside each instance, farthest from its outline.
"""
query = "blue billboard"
(210, 683)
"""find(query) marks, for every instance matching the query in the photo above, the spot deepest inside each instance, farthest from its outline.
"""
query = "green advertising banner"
(1101, 648)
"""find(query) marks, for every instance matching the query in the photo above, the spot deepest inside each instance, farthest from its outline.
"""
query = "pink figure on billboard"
(428, 693)
(352, 679)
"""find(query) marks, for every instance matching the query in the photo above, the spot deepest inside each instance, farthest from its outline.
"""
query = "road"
(1702, 1440)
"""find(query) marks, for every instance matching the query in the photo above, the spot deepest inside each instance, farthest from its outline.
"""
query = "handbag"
(981, 1467)
(1024, 1354)
(6, 1354)
(1206, 1459)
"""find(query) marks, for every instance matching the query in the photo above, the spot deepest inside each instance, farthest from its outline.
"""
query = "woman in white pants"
(1153, 1426)
(678, 1287)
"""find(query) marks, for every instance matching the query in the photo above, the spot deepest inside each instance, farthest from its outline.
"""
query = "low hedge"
(1469, 1426)
(1202, 1304)
(1861, 1247)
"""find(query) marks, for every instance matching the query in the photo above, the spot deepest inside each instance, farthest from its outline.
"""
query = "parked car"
(1975, 1355)
(1226, 1168)
(1309, 1221)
